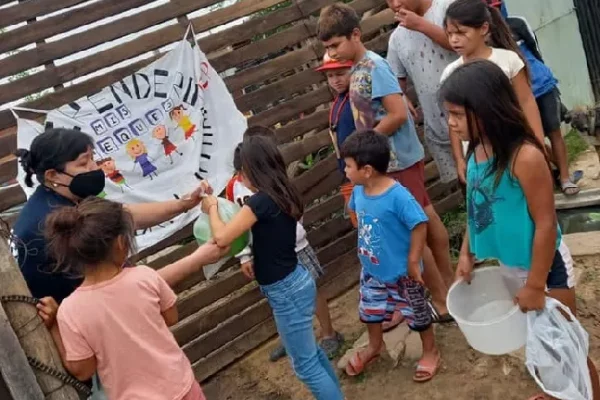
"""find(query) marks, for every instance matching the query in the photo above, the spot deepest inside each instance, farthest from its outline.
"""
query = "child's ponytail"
(501, 36)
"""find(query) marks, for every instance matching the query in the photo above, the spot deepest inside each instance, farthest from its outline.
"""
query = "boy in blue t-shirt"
(392, 230)
(378, 104)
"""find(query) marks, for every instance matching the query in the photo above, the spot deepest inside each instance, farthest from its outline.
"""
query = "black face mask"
(87, 184)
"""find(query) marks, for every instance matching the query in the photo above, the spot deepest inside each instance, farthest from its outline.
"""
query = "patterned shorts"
(379, 300)
(308, 258)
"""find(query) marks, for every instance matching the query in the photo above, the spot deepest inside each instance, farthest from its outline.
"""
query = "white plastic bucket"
(486, 314)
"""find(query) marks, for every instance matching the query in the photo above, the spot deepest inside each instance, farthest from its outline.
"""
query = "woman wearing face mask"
(61, 160)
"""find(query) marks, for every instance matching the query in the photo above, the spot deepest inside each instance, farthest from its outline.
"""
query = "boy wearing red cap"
(341, 120)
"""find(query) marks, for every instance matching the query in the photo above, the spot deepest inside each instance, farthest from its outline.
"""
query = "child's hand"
(409, 19)
(248, 270)
(47, 309)
(208, 202)
(531, 299)
(465, 267)
(414, 272)
(210, 252)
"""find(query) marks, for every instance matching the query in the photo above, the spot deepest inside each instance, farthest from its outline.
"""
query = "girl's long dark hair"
(492, 106)
(475, 13)
(263, 165)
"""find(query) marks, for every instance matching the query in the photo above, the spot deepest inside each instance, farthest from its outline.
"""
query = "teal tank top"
(499, 223)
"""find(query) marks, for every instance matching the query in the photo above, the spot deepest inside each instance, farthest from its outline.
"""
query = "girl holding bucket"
(272, 213)
(510, 198)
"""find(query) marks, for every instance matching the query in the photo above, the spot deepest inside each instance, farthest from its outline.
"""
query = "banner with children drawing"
(157, 132)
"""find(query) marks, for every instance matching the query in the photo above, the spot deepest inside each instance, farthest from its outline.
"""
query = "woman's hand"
(208, 202)
(47, 310)
(248, 270)
(531, 299)
(194, 198)
(465, 267)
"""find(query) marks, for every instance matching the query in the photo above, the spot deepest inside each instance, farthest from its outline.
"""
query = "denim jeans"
(293, 302)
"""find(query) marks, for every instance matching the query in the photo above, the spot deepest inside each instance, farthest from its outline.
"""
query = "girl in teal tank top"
(510, 196)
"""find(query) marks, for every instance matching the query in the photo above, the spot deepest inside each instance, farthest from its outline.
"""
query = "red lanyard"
(333, 121)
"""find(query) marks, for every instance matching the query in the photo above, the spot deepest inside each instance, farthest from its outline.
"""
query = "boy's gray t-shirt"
(413, 54)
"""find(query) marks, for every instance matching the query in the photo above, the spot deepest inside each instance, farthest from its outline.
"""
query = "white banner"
(157, 133)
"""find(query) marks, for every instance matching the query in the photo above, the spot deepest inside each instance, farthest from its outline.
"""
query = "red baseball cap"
(329, 63)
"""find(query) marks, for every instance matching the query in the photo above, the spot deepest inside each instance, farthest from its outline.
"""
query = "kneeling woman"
(272, 214)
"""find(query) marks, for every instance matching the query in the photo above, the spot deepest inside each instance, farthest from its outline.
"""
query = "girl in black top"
(272, 214)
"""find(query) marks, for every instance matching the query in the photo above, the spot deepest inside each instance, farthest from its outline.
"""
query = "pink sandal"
(426, 372)
(356, 365)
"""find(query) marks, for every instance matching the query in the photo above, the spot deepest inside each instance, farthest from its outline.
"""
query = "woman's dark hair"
(492, 106)
(474, 14)
(52, 149)
(83, 235)
(237, 158)
(263, 165)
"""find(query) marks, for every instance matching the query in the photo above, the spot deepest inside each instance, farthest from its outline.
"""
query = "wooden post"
(19, 379)
(35, 339)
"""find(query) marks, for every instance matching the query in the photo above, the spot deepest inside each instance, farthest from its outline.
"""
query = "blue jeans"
(293, 302)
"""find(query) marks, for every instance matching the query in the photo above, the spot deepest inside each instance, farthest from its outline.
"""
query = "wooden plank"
(234, 350)
(299, 149)
(324, 187)
(317, 173)
(331, 229)
(11, 197)
(182, 234)
(28, 10)
(438, 188)
(198, 298)
(291, 108)
(229, 330)
(315, 121)
(338, 247)
(268, 69)
(323, 209)
(46, 52)
(8, 168)
(237, 348)
(269, 22)
(145, 43)
(449, 203)
(278, 90)
(8, 143)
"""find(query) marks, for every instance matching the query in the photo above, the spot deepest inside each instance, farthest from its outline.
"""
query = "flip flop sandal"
(425, 373)
(397, 319)
(356, 365)
(331, 345)
(436, 318)
(577, 175)
(569, 188)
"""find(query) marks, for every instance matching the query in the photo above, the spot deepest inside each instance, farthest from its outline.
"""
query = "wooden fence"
(268, 63)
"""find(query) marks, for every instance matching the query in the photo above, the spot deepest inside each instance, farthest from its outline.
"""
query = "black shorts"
(550, 105)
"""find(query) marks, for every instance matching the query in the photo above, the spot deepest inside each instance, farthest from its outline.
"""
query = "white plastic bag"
(556, 352)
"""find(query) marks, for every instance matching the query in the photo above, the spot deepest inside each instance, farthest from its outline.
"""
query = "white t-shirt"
(507, 60)
(239, 194)
(413, 54)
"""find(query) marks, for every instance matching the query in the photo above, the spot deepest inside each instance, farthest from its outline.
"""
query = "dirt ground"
(588, 163)
(465, 374)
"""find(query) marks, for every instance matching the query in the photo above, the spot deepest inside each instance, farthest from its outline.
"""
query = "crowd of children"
(474, 85)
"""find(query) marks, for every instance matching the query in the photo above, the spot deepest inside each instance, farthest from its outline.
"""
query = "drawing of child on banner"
(183, 121)
(160, 133)
(137, 151)
(110, 170)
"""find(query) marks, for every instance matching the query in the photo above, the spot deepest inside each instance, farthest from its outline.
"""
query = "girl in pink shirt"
(117, 322)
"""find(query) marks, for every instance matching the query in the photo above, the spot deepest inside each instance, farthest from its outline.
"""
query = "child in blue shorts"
(392, 231)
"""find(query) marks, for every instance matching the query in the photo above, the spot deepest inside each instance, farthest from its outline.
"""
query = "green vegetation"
(575, 145)
(456, 224)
